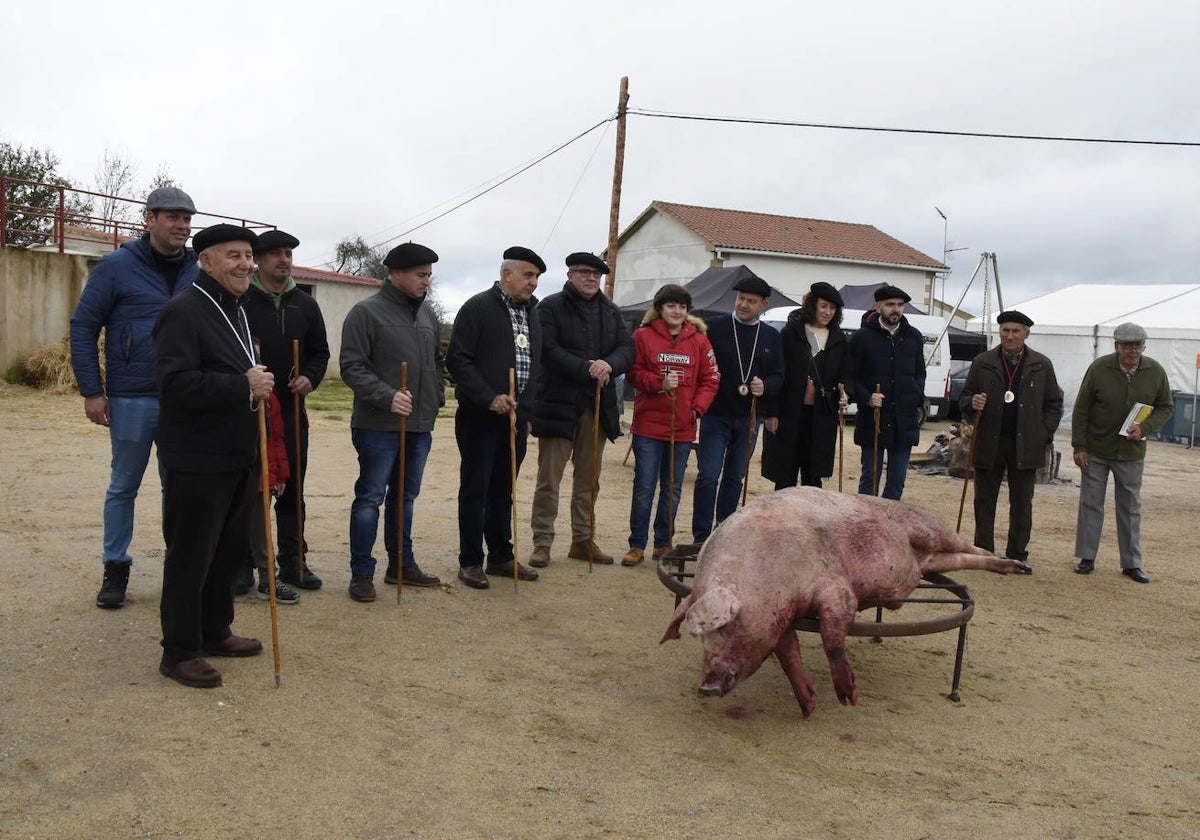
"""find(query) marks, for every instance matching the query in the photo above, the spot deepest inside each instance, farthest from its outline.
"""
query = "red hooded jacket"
(277, 460)
(688, 353)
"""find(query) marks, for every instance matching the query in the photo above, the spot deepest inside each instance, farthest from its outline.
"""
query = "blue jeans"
(652, 466)
(132, 424)
(897, 470)
(378, 474)
(720, 455)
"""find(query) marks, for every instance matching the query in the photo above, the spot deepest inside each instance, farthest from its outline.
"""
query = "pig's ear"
(713, 610)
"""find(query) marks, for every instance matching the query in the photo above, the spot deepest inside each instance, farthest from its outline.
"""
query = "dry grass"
(48, 368)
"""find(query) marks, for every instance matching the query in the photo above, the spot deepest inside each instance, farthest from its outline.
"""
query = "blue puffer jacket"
(124, 293)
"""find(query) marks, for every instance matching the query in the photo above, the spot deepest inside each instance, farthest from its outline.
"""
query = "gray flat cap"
(170, 198)
(1129, 333)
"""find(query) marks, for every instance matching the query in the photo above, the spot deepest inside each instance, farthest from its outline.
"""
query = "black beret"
(1012, 316)
(824, 291)
(273, 239)
(891, 293)
(590, 260)
(518, 252)
(753, 285)
(216, 234)
(408, 255)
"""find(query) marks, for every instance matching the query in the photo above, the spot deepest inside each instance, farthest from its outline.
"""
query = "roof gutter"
(720, 251)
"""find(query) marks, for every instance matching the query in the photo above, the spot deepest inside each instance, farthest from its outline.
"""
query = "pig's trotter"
(788, 654)
(843, 677)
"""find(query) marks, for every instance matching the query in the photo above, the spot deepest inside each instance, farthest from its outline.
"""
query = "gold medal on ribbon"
(1009, 396)
(743, 389)
(522, 340)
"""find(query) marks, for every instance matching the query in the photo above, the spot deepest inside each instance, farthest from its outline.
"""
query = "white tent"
(1074, 326)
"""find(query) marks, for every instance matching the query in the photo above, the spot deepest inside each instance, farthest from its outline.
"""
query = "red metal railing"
(33, 224)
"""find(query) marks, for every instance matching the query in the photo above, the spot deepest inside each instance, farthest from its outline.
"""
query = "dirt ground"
(553, 711)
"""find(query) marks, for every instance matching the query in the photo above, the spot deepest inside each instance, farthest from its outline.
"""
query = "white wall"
(336, 300)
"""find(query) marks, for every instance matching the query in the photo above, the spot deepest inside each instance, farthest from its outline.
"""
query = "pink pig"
(809, 553)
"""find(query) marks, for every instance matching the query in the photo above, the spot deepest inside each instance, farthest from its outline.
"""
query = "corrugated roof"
(301, 273)
(744, 230)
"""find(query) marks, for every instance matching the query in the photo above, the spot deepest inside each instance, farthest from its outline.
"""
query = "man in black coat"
(209, 381)
(280, 312)
(585, 345)
(494, 332)
(888, 352)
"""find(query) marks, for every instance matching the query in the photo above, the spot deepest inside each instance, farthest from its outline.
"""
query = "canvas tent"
(712, 294)
(1074, 326)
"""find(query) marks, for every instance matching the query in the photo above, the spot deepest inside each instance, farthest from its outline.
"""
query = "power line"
(937, 132)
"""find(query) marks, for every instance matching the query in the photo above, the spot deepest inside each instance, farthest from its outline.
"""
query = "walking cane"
(595, 479)
(671, 487)
(298, 472)
(512, 465)
(875, 452)
(970, 468)
(400, 488)
(265, 486)
(841, 432)
(749, 446)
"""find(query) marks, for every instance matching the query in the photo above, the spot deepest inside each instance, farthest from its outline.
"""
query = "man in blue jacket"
(124, 295)
(889, 352)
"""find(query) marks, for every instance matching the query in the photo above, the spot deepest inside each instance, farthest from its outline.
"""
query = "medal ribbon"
(1011, 374)
(745, 372)
(245, 347)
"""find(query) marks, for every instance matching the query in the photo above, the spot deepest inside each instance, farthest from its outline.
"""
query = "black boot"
(112, 590)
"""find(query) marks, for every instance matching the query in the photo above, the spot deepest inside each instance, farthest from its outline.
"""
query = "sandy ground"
(553, 711)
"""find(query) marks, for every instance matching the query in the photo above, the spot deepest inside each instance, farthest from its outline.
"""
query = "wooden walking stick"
(400, 488)
(841, 432)
(595, 477)
(875, 452)
(970, 468)
(298, 472)
(265, 486)
(671, 481)
(749, 446)
(512, 466)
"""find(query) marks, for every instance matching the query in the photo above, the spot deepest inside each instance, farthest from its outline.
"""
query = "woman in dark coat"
(816, 362)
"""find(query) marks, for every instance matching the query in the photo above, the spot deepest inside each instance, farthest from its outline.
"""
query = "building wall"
(336, 300)
(794, 276)
(38, 292)
(661, 251)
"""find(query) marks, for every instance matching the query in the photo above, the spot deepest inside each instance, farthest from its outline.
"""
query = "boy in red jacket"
(675, 374)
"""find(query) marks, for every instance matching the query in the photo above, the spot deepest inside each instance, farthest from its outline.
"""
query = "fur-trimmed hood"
(652, 315)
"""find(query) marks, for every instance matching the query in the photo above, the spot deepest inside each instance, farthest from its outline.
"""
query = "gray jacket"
(378, 334)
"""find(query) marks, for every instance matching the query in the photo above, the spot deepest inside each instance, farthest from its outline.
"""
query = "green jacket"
(1104, 401)
(380, 333)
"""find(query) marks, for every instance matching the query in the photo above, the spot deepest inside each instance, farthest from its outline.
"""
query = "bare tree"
(114, 177)
(161, 178)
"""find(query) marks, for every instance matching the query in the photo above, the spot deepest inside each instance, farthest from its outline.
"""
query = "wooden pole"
(400, 488)
(841, 432)
(749, 446)
(671, 483)
(875, 452)
(512, 466)
(265, 486)
(970, 468)
(595, 477)
(614, 211)
(298, 471)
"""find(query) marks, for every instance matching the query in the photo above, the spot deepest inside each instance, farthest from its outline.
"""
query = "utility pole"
(614, 211)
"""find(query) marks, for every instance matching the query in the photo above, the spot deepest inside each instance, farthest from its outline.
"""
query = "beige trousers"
(553, 454)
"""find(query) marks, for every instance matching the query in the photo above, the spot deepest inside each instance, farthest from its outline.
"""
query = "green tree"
(30, 209)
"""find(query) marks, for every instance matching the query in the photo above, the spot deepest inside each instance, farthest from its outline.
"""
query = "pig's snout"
(718, 684)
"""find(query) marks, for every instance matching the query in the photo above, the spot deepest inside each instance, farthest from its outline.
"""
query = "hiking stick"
(595, 478)
(400, 488)
(265, 486)
(671, 480)
(970, 468)
(841, 432)
(749, 446)
(875, 452)
(512, 465)
(298, 472)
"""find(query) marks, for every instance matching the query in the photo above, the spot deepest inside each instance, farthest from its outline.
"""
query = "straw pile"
(49, 367)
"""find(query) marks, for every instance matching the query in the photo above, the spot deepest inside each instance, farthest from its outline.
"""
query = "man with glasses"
(585, 346)
(379, 334)
(1124, 398)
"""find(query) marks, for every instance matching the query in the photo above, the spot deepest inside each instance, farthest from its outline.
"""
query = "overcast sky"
(335, 119)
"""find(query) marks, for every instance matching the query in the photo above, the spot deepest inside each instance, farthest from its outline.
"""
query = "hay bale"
(48, 368)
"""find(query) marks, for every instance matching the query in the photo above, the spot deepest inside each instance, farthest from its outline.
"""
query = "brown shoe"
(194, 673)
(234, 646)
(506, 570)
(540, 557)
(633, 556)
(660, 550)
(579, 551)
(473, 577)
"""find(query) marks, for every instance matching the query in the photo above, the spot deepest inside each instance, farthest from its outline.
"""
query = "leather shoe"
(194, 673)
(304, 580)
(1136, 575)
(1085, 567)
(579, 551)
(413, 576)
(506, 570)
(473, 577)
(540, 557)
(234, 646)
(362, 588)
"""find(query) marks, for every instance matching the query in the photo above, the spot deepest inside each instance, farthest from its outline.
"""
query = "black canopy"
(712, 294)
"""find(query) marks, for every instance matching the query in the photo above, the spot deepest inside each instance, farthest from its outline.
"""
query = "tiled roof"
(301, 273)
(743, 230)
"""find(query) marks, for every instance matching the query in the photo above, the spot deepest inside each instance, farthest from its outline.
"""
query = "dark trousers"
(206, 522)
(287, 526)
(1020, 501)
(485, 485)
(802, 463)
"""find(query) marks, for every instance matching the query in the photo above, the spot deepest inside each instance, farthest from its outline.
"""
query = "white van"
(937, 353)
